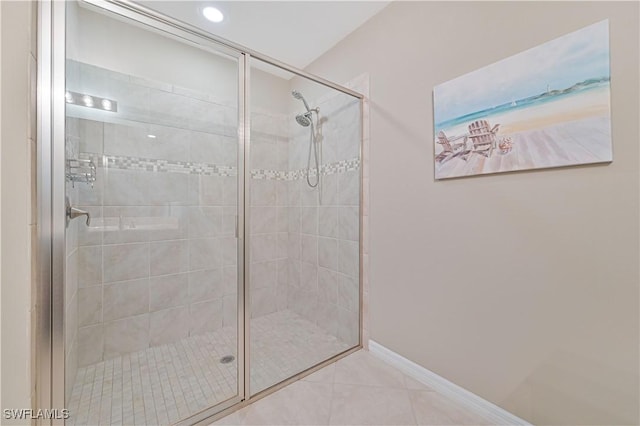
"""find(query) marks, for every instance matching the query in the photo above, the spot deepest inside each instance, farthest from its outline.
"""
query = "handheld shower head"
(299, 96)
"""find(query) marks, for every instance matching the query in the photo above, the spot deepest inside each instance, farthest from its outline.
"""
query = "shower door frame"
(49, 358)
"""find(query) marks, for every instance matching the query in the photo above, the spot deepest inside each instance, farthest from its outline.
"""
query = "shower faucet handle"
(73, 212)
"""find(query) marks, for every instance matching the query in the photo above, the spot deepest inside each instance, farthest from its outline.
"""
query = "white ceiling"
(294, 32)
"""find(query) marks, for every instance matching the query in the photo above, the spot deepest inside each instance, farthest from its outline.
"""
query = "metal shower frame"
(50, 340)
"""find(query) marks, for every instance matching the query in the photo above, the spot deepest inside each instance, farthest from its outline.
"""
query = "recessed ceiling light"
(151, 136)
(212, 14)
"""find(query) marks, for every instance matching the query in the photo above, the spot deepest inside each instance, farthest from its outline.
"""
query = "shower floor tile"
(167, 383)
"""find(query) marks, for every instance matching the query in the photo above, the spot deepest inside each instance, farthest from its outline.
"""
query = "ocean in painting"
(586, 87)
(552, 105)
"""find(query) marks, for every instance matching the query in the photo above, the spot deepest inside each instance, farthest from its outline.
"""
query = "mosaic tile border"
(326, 169)
(195, 168)
(341, 166)
(156, 165)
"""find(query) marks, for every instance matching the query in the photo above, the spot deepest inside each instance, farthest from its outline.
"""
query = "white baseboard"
(472, 401)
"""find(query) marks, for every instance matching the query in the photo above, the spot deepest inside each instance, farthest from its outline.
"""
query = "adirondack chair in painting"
(449, 148)
(483, 137)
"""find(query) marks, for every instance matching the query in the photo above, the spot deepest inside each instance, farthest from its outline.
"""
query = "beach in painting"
(555, 113)
(570, 129)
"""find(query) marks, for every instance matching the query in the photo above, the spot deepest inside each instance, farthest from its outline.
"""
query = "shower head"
(304, 119)
(299, 96)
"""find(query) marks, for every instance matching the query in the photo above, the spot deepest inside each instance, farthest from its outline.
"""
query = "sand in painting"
(574, 129)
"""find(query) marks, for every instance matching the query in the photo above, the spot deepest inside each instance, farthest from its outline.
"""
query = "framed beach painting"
(548, 106)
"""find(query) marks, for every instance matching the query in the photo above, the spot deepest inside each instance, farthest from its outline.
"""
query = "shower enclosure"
(201, 210)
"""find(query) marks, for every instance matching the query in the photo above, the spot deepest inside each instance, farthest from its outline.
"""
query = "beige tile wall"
(268, 213)
(158, 262)
(324, 222)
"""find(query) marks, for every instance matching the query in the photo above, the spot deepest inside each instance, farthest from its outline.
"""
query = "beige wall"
(17, 156)
(520, 287)
(1, 405)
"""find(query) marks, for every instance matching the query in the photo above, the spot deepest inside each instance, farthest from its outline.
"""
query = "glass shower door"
(304, 184)
(153, 259)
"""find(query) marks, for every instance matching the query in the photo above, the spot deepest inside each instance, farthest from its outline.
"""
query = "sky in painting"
(558, 64)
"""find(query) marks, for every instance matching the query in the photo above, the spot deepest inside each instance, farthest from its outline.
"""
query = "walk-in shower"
(214, 266)
(306, 120)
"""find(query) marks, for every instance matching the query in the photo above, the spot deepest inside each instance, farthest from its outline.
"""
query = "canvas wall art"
(548, 106)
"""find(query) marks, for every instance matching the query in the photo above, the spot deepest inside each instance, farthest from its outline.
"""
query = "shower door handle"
(73, 212)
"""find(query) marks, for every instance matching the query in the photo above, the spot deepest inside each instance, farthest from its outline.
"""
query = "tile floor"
(357, 390)
(164, 384)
